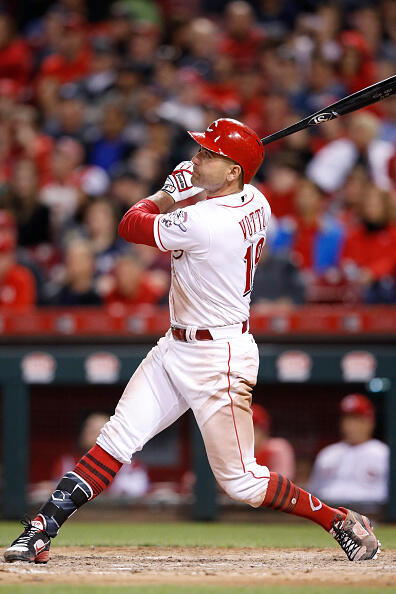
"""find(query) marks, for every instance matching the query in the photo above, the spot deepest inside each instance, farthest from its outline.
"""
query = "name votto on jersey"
(253, 223)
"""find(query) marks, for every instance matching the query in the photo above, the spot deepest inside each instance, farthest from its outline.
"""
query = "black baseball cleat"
(31, 546)
(355, 536)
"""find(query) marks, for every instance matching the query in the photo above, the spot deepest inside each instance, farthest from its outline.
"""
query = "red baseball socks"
(283, 495)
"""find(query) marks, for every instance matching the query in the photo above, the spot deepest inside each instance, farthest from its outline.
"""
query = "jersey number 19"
(251, 263)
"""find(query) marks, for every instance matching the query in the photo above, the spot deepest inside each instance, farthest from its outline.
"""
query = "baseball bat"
(362, 98)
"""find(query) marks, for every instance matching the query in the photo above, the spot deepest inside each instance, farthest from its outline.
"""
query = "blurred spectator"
(331, 165)
(72, 60)
(277, 18)
(100, 227)
(392, 175)
(274, 452)
(388, 125)
(222, 91)
(132, 481)
(346, 203)
(111, 146)
(77, 288)
(322, 89)
(17, 284)
(8, 99)
(101, 78)
(134, 286)
(275, 115)
(388, 13)
(27, 141)
(280, 187)
(68, 118)
(366, 20)
(354, 471)
(47, 102)
(312, 236)
(356, 64)
(146, 163)
(22, 199)
(277, 280)
(128, 89)
(120, 26)
(15, 58)
(127, 189)
(326, 25)
(60, 192)
(143, 46)
(184, 107)
(44, 34)
(201, 47)
(243, 37)
(369, 253)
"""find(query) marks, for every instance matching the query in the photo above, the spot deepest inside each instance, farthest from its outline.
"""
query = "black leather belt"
(180, 333)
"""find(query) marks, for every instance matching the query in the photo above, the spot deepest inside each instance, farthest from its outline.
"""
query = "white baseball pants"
(214, 379)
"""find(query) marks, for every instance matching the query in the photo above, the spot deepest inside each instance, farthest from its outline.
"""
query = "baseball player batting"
(208, 360)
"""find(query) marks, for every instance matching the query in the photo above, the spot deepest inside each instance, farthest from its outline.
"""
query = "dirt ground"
(199, 565)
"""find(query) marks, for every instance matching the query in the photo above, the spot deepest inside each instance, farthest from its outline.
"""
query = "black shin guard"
(71, 493)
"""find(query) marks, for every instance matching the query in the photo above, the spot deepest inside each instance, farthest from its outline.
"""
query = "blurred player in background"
(354, 471)
(131, 482)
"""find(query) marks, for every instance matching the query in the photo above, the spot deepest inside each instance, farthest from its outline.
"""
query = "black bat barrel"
(363, 98)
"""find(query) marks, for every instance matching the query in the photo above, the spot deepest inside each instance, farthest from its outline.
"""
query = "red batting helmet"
(357, 404)
(260, 417)
(234, 140)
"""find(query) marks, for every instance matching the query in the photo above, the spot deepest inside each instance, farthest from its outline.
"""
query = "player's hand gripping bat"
(362, 98)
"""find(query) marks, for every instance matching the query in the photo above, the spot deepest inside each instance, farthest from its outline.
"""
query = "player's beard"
(195, 180)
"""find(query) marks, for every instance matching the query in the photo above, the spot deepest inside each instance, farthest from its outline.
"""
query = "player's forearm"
(162, 200)
(137, 225)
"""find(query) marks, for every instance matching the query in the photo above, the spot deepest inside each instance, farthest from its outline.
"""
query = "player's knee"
(113, 440)
(245, 487)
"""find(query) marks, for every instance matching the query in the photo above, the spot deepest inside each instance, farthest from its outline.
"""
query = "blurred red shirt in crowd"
(243, 38)
(17, 285)
(374, 251)
(280, 188)
(15, 57)
(274, 452)
(73, 61)
(357, 68)
(27, 141)
(133, 286)
(371, 246)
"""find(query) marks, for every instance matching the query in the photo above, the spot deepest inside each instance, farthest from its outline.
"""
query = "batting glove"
(178, 183)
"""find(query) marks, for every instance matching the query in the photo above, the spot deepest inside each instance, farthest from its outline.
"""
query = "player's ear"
(234, 172)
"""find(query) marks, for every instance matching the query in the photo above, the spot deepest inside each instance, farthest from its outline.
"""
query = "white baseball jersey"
(216, 245)
(343, 472)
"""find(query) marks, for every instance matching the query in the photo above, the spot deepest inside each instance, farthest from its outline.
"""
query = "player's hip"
(210, 366)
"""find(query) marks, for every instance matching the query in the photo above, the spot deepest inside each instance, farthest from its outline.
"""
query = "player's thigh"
(229, 441)
(149, 404)
(228, 433)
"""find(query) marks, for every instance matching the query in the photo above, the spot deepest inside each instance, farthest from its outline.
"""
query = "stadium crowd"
(94, 107)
